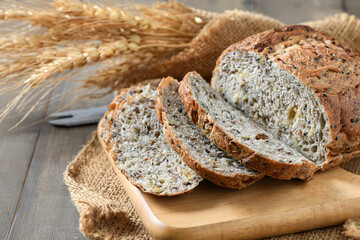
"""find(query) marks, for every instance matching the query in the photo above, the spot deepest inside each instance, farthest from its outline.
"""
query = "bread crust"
(246, 156)
(236, 181)
(325, 67)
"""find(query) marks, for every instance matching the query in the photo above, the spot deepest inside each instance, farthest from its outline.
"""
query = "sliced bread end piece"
(141, 89)
(237, 135)
(141, 152)
(193, 146)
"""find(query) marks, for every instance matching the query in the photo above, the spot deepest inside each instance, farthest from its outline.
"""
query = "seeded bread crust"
(325, 67)
(239, 176)
(151, 165)
(281, 170)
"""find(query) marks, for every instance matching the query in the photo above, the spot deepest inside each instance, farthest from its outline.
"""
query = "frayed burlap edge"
(352, 228)
(105, 209)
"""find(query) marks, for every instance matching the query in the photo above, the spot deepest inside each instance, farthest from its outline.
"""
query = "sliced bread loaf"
(142, 153)
(236, 134)
(193, 146)
(300, 85)
(113, 108)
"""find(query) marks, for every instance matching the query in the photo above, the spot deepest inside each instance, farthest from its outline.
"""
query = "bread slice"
(113, 108)
(300, 85)
(193, 146)
(236, 134)
(142, 153)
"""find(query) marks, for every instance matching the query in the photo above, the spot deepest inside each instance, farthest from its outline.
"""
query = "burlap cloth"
(105, 209)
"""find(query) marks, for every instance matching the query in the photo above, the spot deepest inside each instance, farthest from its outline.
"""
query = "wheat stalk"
(92, 25)
(74, 57)
(68, 34)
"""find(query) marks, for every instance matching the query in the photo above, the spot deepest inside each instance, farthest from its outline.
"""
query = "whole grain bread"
(141, 89)
(141, 152)
(193, 146)
(237, 135)
(290, 70)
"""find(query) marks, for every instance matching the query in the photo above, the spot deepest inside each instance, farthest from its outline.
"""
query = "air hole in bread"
(291, 114)
(314, 149)
(265, 120)
(136, 130)
(149, 128)
(321, 136)
(322, 121)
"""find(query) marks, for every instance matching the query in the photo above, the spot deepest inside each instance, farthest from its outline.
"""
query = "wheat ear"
(66, 35)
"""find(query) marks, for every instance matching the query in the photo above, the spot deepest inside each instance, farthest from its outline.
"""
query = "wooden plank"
(45, 210)
(16, 148)
(220, 6)
(352, 7)
(297, 11)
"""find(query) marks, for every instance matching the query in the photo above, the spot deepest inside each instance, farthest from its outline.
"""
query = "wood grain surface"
(44, 209)
(35, 203)
(16, 148)
(45, 205)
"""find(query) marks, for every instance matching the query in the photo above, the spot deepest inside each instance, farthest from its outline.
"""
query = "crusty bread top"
(317, 59)
(325, 67)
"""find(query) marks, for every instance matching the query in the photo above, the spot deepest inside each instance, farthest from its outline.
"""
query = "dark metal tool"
(77, 117)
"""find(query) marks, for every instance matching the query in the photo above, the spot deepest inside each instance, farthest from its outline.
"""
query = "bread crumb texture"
(196, 149)
(141, 151)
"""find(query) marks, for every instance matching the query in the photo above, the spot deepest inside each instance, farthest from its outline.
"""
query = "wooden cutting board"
(267, 208)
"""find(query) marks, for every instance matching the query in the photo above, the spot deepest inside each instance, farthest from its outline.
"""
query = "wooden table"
(34, 201)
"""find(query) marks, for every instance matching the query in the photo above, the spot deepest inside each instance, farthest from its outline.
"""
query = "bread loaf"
(300, 85)
(141, 151)
(237, 135)
(193, 146)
